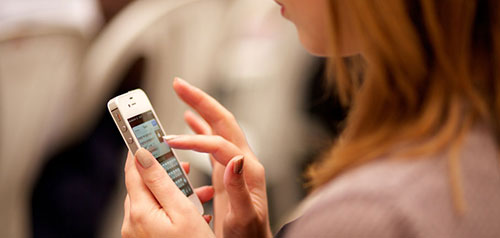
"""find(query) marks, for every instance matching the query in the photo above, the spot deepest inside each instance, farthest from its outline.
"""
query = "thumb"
(236, 187)
(157, 180)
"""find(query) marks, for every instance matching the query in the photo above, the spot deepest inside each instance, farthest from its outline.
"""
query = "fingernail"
(144, 158)
(208, 218)
(170, 137)
(238, 164)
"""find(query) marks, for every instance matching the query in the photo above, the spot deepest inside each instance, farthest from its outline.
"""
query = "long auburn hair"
(433, 72)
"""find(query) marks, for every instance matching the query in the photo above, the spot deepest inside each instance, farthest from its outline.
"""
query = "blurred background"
(61, 156)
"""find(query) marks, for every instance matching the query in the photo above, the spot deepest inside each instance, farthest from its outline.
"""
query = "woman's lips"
(282, 8)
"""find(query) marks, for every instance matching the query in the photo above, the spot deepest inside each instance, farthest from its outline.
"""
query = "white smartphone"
(139, 126)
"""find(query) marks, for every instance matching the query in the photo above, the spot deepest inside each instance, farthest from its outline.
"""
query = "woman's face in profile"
(311, 19)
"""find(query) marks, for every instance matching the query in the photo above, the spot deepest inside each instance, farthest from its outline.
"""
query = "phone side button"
(124, 128)
(117, 116)
(133, 148)
(130, 140)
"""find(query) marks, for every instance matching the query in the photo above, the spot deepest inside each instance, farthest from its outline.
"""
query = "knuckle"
(230, 116)
(155, 178)
(242, 222)
(128, 182)
(126, 170)
(186, 208)
(219, 139)
(235, 184)
(137, 216)
(259, 170)
(125, 232)
(225, 117)
(179, 228)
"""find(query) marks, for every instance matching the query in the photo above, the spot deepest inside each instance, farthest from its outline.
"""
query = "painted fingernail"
(208, 218)
(238, 164)
(144, 158)
(170, 137)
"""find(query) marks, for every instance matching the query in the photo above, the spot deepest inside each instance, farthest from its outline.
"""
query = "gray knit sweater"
(410, 198)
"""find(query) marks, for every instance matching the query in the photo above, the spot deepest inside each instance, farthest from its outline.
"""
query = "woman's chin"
(317, 52)
(313, 46)
(318, 46)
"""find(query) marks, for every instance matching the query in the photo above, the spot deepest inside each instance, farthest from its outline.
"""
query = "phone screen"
(149, 134)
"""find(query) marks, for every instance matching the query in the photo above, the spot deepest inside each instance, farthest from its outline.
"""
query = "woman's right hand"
(240, 200)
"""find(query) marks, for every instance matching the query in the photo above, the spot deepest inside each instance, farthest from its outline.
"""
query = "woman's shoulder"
(367, 202)
(409, 198)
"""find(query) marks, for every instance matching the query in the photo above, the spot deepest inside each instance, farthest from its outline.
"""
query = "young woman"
(419, 153)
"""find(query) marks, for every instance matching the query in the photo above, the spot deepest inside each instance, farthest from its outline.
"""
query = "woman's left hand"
(155, 207)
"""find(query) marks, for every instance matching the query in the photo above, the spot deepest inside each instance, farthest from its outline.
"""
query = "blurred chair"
(40, 57)
(39, 74)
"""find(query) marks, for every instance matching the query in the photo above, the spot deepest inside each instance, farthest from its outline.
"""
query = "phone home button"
(124, 128)
(130, 140)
